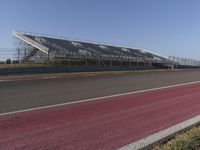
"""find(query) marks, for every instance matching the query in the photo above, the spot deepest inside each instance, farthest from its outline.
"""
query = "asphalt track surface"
(19, 95)
(107, 123)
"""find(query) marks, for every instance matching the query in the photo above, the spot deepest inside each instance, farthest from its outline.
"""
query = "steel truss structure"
(41, 48)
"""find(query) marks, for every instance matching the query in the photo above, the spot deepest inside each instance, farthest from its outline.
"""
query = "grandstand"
(42, 48)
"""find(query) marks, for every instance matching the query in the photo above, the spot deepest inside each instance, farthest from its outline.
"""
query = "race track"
(106, 123)
(19, 95)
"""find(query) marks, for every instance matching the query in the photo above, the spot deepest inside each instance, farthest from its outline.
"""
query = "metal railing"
(185, 61)
(87, 41)
(7, 53)
(31, 42)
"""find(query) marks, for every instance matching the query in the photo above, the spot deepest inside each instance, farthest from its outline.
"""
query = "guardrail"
(37, 70)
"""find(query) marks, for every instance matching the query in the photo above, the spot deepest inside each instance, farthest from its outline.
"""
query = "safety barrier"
(37, 70)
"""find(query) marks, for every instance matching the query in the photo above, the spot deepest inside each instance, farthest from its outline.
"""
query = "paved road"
(18, 95)
(105, 124)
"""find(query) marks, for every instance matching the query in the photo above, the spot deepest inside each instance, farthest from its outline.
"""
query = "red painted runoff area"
(107, 123)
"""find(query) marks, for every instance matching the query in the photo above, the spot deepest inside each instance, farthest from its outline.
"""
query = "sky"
(167, 27)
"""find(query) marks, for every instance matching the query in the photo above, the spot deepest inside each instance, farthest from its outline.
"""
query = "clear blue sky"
(168, 27)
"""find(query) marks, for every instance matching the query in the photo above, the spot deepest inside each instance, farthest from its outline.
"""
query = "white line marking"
(142, 143)
(4, 80)
(28, 79)
(98, 98)
(52, 77)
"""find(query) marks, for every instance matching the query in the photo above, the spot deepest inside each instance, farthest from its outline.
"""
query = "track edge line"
(148, 141)
(98, 98)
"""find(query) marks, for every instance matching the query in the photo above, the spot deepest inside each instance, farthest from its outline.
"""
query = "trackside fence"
(37, 70)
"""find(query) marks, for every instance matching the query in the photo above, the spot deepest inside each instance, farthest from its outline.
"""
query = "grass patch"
(188, 140)
(21, 65)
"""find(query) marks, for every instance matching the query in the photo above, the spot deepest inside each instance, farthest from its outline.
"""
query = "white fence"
(185, 61)
(7, 53)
